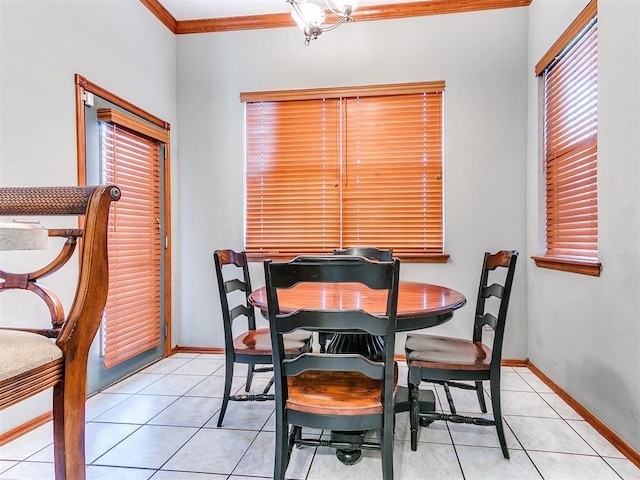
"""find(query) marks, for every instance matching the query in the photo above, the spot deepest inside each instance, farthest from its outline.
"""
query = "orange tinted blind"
(393, 173)
(334, 172)
(132, 314)
(293, 176)
(571, 149)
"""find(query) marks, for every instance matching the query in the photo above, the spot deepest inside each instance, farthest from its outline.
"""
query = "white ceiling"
(198, 9)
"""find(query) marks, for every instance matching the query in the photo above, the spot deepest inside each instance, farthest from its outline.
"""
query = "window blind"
(571, 149)
(293, 176)
(393, 181)
(338, 171)
(132, 314)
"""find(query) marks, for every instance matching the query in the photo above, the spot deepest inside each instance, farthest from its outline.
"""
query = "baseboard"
(25, 428)
(512, 362)
(179, 349)
(613, 438)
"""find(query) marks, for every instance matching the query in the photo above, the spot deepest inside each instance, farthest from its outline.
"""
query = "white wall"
(480, 56)
(118, 45)
(584, 332)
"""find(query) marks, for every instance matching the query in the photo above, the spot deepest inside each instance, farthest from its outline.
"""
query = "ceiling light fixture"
(310, 15)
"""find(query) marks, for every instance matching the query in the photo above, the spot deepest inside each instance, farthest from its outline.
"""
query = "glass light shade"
(307, 15)
(341, 5)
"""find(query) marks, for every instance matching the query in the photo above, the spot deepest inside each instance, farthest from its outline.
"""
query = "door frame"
(83, 87)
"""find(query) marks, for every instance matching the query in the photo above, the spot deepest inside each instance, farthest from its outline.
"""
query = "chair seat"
(431, 351)
(334, 393)
(22, 352)
(258, 342)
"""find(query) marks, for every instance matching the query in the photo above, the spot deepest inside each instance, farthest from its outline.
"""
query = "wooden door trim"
(83, 85)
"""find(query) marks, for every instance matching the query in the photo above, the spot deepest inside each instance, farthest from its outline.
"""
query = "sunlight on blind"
(571, 150)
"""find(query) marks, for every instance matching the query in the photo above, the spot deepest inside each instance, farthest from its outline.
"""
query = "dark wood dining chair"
(367, 252)
(449, 361)
(33, 360)
(253, 346)
(333, 391)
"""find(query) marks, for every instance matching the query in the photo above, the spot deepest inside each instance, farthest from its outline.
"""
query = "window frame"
(345, 94)
(585, 20)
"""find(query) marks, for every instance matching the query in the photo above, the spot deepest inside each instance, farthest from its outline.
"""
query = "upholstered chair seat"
(22, 352)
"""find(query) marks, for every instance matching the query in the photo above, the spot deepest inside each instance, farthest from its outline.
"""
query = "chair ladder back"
(327, 321)
(344, 270)
(234, 285)
(376, 275)
(488, 319)
(334, 363)
(494, 290)
(501, 260)
(227, 285)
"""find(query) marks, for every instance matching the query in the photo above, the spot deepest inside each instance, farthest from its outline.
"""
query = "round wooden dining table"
(420, 305)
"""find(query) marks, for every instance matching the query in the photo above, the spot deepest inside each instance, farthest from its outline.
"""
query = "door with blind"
(122, 148)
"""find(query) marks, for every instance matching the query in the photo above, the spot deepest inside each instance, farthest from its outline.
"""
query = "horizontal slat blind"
(132, 314)
(293, 175)
(393, 181)
(571, 137)
(328, 173)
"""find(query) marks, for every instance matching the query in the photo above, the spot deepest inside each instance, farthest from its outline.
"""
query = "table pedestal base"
(350, 455)
(426, 400)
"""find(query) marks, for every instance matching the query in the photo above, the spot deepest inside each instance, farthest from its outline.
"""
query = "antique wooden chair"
(252, 346)
(367, 252)
(448, 361)
(335, 391)
(33, 360)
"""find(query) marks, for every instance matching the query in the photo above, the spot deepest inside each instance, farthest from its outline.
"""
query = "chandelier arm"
(342, 20)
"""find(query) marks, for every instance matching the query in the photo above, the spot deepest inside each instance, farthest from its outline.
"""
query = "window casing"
(570, 146)
(337, 168)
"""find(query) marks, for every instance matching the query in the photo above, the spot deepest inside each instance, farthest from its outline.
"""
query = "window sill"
(569, 265)
(404, 258)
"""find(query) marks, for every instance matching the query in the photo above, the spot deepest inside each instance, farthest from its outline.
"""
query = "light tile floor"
(160, 424)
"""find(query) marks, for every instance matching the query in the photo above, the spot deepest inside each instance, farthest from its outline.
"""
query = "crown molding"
(277, 20)
(162, 14)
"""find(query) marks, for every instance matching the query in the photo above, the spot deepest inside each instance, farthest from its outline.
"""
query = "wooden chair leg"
(480, 394)
(414, 414)
(228, 378)
(247, 385)
(268, 386)
(69, 397)
(497, 416)
(447, 391)
(387, 451)
(282, 448)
